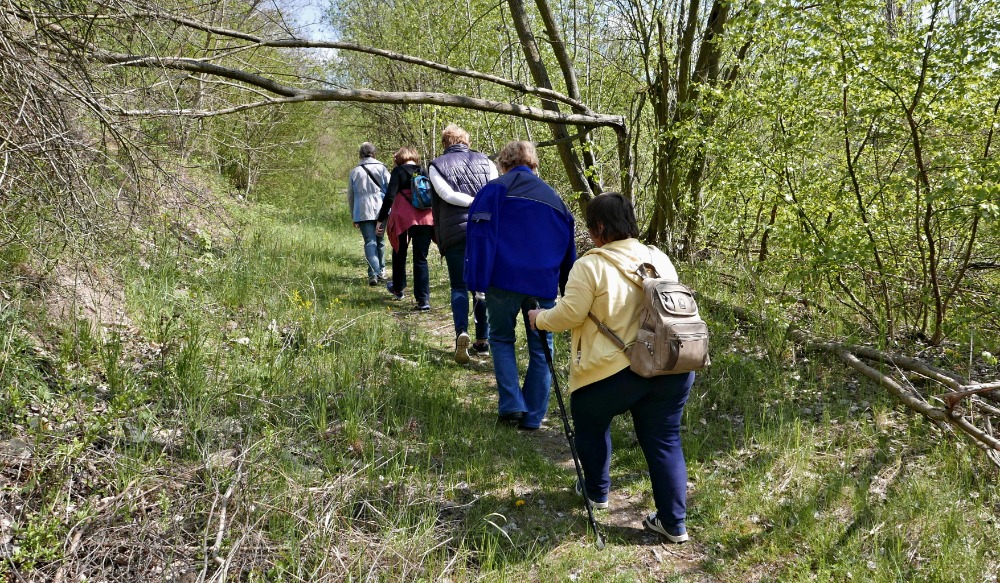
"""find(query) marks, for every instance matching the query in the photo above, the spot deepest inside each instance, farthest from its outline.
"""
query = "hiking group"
(508, 237)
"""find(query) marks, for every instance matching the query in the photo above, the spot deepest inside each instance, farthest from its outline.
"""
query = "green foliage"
(857, 158)
(21, 378)
(40, 541)
(356, 449)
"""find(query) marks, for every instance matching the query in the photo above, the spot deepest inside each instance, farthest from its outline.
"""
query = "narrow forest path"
(621, 524)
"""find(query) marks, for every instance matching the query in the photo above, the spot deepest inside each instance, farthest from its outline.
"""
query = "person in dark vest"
(457, 175)
(519, 250)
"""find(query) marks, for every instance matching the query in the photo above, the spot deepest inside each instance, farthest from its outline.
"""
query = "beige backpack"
(672, 336)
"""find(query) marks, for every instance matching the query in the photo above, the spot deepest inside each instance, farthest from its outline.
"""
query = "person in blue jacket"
(519, 250)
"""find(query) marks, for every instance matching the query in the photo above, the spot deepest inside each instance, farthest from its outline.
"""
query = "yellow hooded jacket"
(596, 285)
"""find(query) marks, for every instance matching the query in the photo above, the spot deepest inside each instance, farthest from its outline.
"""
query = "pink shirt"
(402, 216)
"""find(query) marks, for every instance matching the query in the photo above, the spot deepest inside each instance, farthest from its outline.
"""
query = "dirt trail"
(622, 523)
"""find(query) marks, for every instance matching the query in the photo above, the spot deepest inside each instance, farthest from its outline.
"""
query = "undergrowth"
(270, 417)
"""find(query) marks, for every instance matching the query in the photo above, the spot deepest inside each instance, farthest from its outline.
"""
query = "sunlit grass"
(353, 448)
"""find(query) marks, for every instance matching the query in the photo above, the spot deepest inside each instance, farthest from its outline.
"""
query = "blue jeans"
(454, 256)
(421, 237)
(374, 248)
(657, 405)
(532, 398)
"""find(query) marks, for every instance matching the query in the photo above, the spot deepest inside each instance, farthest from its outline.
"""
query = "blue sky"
(307, 15)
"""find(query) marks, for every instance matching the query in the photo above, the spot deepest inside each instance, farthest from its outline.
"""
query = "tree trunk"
(540, 75)
(677, 206)
(573, 91)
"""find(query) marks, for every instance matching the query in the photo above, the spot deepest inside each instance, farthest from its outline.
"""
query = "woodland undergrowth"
(265, 415)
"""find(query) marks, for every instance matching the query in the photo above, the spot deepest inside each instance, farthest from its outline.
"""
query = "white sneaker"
(678, 534)
(462, 348)
(593, 504)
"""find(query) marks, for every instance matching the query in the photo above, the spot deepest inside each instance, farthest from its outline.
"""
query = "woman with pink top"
(402, 224)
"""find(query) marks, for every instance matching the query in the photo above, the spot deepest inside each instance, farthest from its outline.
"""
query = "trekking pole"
(570, 435)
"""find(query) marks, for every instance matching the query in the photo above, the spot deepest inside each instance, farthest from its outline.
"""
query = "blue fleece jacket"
(520, 237)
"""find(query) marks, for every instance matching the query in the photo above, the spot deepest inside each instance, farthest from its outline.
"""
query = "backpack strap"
(408, 191)
(631, 270)
(607, 331)
(634, 271)
(372, 176)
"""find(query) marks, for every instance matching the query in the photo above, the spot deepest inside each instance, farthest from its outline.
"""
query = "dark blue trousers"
(657, 405)
(455, 258)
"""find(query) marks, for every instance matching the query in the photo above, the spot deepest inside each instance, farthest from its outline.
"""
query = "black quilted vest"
(465, 171)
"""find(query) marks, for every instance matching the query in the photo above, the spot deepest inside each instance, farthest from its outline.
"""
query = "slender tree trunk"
(572, 89)
(676, 218)
(571, 162)
(923, 185)
(661, 220)
(762, 256)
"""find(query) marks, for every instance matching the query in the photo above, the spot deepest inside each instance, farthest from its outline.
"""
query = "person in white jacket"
(366, 186)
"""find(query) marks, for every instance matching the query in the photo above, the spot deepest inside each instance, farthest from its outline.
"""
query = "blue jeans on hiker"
(374, 248)
(532, 398)
(454, 256)
(421, 237)
(657, 405)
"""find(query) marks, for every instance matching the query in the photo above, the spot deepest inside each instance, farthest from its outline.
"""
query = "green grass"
(266, 383)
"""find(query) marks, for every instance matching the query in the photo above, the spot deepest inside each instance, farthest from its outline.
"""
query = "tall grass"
(273, 418)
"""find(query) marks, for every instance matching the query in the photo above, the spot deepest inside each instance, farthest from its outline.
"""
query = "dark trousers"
(454, 256)
(657, 405)
(421, 237)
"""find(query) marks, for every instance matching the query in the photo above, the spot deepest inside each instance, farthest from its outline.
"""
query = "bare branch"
(296, 94)
(298, 43)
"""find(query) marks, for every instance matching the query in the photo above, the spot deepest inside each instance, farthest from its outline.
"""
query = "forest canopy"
(844, 149)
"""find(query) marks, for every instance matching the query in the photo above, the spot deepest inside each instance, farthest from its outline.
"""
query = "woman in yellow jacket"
(600, 382)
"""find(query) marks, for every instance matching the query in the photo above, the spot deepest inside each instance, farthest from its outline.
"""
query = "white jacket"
(364, 196)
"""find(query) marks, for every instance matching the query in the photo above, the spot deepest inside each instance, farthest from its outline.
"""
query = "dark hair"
(615, 214)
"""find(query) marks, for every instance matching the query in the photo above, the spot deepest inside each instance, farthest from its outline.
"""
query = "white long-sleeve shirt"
(446, 193)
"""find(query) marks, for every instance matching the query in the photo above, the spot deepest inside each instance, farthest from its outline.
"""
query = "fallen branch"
(954, 398)
(955, 385)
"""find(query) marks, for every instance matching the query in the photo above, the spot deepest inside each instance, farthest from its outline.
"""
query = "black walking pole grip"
(570, 435)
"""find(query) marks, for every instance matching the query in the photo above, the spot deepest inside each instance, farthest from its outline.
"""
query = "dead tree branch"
(955, 388)
(74, 46)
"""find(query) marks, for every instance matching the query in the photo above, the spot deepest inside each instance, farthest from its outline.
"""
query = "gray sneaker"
(395, 296)
(593, 504)
(677, 534)
(462, 348)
